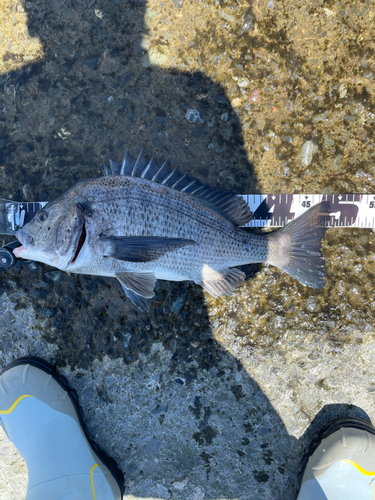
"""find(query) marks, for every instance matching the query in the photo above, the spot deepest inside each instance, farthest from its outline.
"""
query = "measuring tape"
(14, 215)
(270, 210)
(347, 210)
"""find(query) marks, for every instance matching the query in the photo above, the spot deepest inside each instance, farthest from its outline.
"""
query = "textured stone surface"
(198, 398)
(13, 471)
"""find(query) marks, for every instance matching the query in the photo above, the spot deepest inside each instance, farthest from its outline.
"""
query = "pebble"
(154, 58)
(198, 132)
(153, 446)
(53, 275)
(336, 161)
(312, 304)
(328, 141)
(369, 75)
(243, 82)
(255, 96)
(342, 90)
(151, 13)
(125, 78)
(307, 152)
(225, 15)
(321, 117)
(48, 313)
(178, 303)
(248, 23)
(127, 339)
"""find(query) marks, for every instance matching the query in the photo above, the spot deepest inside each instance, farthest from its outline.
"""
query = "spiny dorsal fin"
(223, 201)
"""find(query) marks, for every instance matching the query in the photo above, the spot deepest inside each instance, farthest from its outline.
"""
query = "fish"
(142, 221)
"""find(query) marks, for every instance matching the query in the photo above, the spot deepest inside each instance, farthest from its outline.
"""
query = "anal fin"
(221, 283)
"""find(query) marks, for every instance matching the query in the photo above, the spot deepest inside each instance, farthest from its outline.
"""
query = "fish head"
(55, 235)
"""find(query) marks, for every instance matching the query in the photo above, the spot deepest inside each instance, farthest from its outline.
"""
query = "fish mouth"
(24, 238)
(81, 242)
(26, 241)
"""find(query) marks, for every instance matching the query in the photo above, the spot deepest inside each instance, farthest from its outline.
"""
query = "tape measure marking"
(270, 210)
(347, 210)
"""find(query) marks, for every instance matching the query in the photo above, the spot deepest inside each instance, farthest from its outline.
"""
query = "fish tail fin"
(296, 248)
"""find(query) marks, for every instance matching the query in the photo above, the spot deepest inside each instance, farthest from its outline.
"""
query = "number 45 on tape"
(347, 210)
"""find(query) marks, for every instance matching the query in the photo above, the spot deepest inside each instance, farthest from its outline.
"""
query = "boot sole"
(62, 381)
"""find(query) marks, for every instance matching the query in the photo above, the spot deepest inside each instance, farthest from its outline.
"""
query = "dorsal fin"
(223, 201)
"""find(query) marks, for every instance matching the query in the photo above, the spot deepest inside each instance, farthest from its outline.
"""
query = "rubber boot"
(41, 416)
(342, 467)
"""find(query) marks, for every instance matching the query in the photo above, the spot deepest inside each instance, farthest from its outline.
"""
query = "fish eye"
(42, 215)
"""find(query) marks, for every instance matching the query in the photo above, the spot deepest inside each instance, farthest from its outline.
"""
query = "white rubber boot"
(41, 416)
(342, 467)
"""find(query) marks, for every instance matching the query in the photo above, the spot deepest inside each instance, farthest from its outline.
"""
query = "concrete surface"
(198, 398)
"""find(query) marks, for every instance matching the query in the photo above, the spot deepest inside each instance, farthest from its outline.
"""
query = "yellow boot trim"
(92, 481)
(358, 467)
(6, 412)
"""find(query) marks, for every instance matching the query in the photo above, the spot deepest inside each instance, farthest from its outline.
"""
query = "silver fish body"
(139, 230)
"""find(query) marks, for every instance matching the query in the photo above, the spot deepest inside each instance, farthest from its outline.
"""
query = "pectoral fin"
(138, 287)
(142, 248)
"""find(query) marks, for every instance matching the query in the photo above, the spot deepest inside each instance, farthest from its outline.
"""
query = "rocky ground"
(199, 398)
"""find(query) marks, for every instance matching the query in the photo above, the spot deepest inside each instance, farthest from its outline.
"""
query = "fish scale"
(142, 222)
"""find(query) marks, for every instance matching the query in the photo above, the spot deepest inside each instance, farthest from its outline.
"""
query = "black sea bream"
(142, 222)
